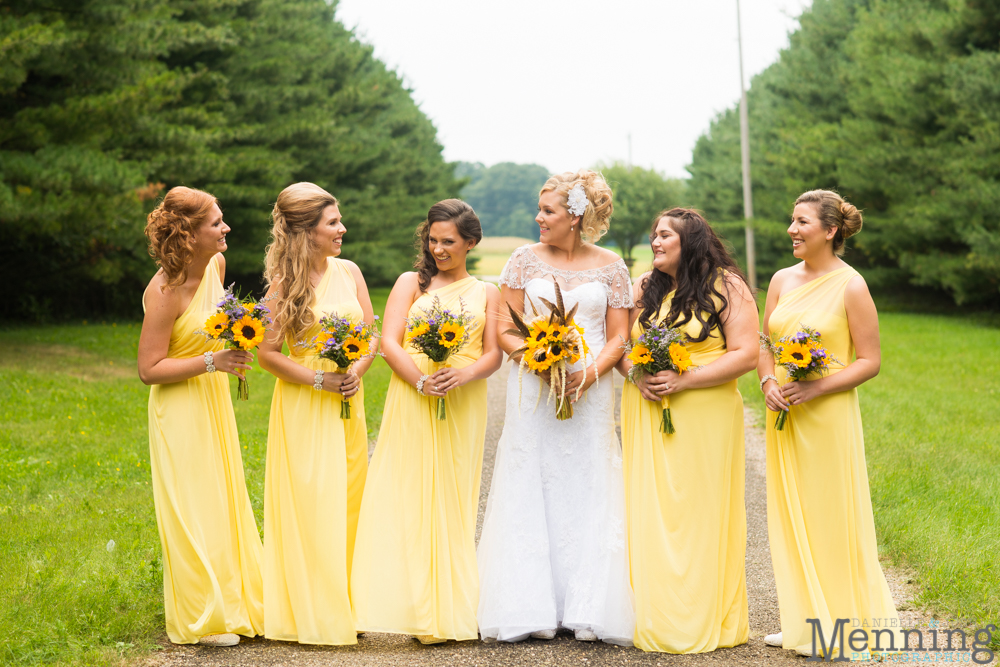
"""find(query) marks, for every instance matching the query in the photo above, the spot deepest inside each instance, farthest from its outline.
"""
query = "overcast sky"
(563, 83)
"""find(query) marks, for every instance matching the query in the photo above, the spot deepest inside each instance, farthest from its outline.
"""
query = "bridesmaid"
(684, 492)
(819, 511)
(316, 461)
(415, 569)
(212, 588)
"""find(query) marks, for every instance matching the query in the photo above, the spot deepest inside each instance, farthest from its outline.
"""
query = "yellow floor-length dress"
(316, 467)
(685, 513)
(415, 566)
(211, 547)
(819, 511)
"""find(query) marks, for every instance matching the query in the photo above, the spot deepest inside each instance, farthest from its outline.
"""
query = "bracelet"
(420, 384)
(318, 381)
(764, 379)
(209, 362)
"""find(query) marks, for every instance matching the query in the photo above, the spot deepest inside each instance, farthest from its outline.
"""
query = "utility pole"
(745, 152)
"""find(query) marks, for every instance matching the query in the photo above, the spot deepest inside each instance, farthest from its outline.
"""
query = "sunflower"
(680, 356)
(539, 334)
(640, 355)
(538, 360)
(799, 354)
(419, 330)
(579, 330)
(321, 340)
(557, 351)
(354, 348)
(216, 324)
(248, 332)
(450, 334)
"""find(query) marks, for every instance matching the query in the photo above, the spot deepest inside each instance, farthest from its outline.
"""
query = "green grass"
(74, 474)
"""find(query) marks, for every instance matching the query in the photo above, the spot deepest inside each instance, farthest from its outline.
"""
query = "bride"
(553, 552)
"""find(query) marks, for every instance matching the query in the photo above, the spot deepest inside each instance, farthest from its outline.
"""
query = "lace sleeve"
(619, 284)
(515, 271)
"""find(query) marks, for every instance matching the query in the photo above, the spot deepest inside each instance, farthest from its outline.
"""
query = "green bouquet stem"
(779, 423)
(242, 387)
(345, 403)
(565, 410)
(441, 411)
(667, 423)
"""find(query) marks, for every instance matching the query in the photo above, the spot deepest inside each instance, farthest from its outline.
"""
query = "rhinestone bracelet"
(209, 362)
(764, 380)
(420, 384)
(318, 381)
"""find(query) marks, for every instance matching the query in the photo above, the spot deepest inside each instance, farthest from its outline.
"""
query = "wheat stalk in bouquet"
(241, 323)
(661, 348)
(801, 354)
(550, 345)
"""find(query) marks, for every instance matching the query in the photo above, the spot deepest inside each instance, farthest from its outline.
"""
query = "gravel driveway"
(389, 650)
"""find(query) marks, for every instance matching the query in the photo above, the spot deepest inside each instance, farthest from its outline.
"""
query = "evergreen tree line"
(106, 104)
(896, 105)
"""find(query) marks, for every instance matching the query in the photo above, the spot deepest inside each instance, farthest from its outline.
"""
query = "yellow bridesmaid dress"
(415, 564)
(316, 466)
(685, 513)
(819, 510)
(211, 547)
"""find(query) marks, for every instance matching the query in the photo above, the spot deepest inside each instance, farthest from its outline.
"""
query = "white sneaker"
(773, 640)
(221, 639)
(544, 634)
(585, 635)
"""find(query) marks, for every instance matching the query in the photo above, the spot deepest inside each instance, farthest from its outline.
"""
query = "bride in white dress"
(553, 552)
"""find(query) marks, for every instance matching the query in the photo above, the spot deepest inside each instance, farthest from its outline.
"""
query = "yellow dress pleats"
(211, 547)
(819, 511)
(415, 563)
(316, 467)
(685, 512)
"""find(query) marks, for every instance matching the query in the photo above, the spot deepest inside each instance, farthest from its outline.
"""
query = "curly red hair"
(170, 229)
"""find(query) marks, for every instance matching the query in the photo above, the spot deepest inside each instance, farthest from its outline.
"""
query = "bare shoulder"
(492, 291)
(737, 286)
(606, 256)
(221, 259)
(779, 278)
(355, 271)
(857, 288)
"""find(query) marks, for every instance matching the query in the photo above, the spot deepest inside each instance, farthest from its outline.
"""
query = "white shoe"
(544, 634)
(221, 639)
(773, 640)
(585, 635)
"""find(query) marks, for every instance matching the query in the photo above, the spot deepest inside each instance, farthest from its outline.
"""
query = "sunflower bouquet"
(439, 333)
(661, 348)
(343, 342)
(241, 323)
(550, 345)
(801, 354)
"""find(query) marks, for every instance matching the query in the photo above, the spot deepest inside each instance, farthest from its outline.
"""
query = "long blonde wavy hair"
(287, 264)
(597, 218)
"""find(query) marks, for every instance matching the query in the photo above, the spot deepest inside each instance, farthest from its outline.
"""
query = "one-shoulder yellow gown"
(211, 547)
(316, 466)
(685, 512)
(819, 510)
(415, 564)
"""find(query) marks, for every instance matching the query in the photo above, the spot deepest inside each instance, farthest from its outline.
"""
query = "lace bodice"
(524, 265)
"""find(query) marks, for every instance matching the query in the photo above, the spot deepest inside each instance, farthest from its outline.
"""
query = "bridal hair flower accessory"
(576, 201)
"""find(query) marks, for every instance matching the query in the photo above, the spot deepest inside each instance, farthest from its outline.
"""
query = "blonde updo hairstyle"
(596, 219)
(834, 212)
(295, 214)
(170, 230)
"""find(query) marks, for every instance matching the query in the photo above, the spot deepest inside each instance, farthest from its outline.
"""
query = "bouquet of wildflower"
(241, 323)
(801, 354)
(661, 348)
(343, 342)
(439, 333)
(550, 344)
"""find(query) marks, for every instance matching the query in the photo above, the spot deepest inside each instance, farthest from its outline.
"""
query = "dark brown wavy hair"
(170, 230)
(450, 210)
(704, 259)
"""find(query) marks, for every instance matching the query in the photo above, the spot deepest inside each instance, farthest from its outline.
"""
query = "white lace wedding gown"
(553, 551)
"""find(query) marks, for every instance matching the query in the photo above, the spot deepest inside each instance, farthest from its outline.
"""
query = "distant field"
(493, 252)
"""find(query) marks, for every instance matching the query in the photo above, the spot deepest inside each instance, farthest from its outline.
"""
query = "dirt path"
(386, 649)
